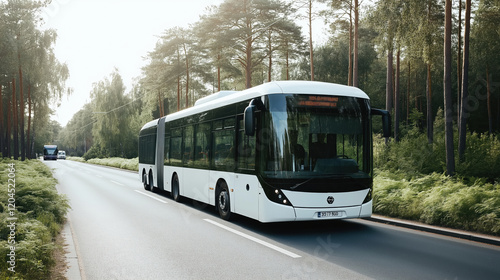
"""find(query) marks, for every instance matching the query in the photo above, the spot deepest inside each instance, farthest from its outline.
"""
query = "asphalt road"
(122, 231)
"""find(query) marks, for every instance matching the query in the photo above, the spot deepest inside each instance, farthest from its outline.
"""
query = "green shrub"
(440, 200)
(130, 164)
(40, 212)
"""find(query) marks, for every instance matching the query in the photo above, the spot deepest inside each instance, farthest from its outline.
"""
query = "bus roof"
(150, 124)
(50, 146)
(279, 87)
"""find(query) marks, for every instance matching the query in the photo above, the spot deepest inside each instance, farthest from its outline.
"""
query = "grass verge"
(32, 213)
(129, 164)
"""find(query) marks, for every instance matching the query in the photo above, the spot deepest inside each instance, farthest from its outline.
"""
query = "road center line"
(254, 239)
(163, 201)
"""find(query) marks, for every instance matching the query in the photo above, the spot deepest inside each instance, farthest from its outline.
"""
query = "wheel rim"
(223, 201)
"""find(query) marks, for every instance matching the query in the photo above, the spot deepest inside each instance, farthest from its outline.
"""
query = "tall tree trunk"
(28, 139)
(311, 55)
(21, 110)
(397, 104)
(349, 71)
(9, 129)
(355, 78)
(248, 64)
(287, 62)
(430, 115)
(218, 72)
(2, 135)
(389, 93)
(270, 50)
(462, 131)
(187, 75)
(459, 60)
(408, 89)
(488, 94)
(178, 93)
(448, 111)
(15, 123)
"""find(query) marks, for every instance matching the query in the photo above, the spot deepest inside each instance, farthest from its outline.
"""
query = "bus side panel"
(246, 195)
(195, 184)
(167, 178)
(366, 210)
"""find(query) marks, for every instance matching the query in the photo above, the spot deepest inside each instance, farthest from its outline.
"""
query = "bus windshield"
(316, 136)
(50, 150)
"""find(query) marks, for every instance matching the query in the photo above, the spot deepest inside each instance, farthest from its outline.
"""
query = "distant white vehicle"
(61, 155)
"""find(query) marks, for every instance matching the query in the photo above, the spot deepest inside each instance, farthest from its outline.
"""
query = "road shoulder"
(477, 237)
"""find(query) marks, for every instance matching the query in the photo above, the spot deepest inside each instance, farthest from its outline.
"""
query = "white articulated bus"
(281, 151)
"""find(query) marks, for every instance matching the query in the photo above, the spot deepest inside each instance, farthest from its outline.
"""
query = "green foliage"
(96, 151)
(413, 155)
(439, 200)
(482, 157)
(411, 184)
(130, 164)
(40, 212)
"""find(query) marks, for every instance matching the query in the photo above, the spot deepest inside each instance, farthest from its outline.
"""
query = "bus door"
(246, 184)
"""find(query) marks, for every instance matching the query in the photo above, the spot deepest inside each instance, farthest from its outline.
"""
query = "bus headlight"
(279, 197)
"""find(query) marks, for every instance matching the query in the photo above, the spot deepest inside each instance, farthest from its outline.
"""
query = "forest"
(32, 80)
(425, 61)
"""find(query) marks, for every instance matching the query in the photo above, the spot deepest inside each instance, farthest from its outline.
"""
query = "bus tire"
(222, 202)
(151, 185)
(176, 195)
(145, 181)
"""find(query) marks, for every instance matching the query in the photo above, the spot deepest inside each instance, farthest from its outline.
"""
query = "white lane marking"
(254, 239)
(115, 182)
(160, 200)
(98, 176)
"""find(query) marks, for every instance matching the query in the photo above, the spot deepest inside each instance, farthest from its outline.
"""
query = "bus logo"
(330, 200)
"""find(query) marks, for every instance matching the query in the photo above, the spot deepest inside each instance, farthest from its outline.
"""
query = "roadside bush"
(40, 212)
(439, 200)
(130, 164)
(95, 152)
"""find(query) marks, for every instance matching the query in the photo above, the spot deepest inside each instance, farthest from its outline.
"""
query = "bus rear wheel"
(145, 181)
(223, 202)
(175, 188)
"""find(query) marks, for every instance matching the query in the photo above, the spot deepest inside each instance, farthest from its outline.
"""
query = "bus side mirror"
(386, 121)
(248, 120)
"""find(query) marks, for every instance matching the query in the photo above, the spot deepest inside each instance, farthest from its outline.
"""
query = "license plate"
(327, 214)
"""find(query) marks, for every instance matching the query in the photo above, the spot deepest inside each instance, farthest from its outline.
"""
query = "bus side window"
(246, 149)
(188, 146)
(202, 146)
(175, 147)
(223, 158)
(167, 150)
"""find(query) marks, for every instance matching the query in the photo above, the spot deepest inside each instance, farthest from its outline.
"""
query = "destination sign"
(318, 101)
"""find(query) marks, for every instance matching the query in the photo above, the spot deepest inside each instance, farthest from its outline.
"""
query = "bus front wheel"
(223, 202)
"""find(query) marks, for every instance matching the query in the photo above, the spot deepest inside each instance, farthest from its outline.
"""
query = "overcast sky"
(95, 36)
